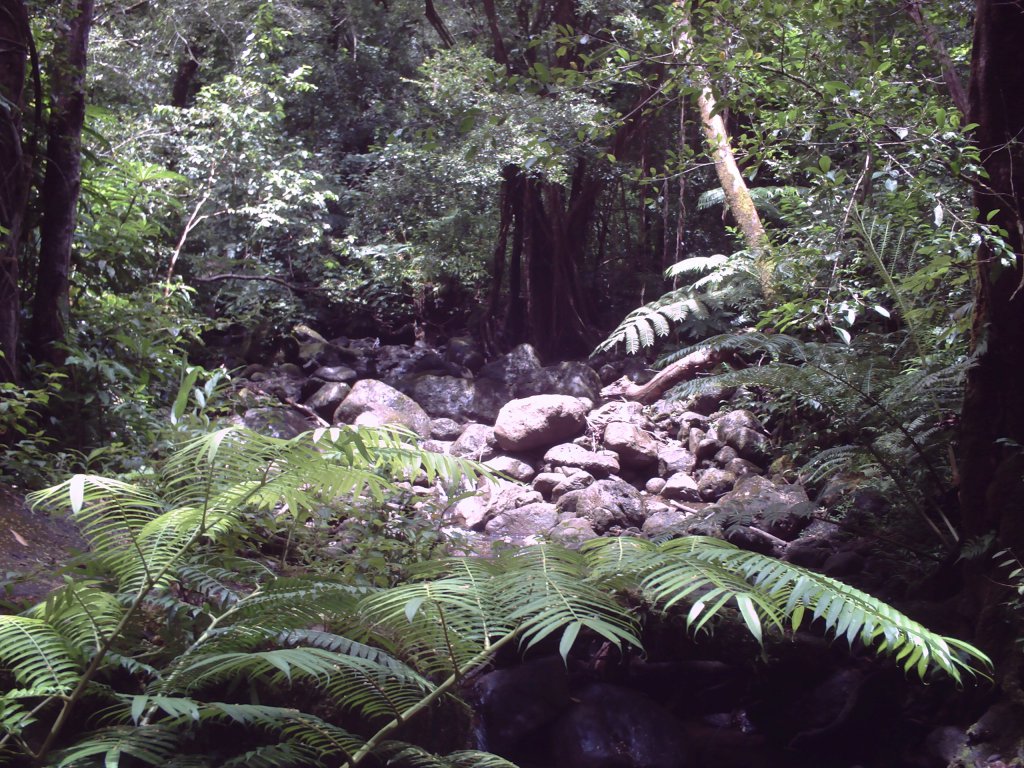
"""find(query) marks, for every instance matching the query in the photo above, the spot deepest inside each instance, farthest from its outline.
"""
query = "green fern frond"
(401, 755)
(153, 745)
(83, 613)
(38, 655)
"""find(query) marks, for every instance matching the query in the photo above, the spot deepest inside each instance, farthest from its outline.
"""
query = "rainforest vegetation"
(817, 206)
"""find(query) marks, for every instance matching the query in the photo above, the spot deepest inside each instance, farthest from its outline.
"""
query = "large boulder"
(540, 421)
(741, 430)
(513, 366)
(569, 378)
(284, 423)
(635, 447)
(621, 411)
(780, 510)
(613, 727)
(523, 524)
(611, 503)
(372, 402)
(456, 398)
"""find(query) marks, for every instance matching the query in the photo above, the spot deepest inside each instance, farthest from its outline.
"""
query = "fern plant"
(192, 652)
(886, 418)
(717, 297)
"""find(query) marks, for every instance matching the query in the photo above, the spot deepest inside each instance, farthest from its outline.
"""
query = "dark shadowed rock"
(614, 727)
(781, 510)
(457, 398)
(284, 423)
(515, 705)
(327, 398)
(569, 378)
(545, 483)
(374, 402)
(513, 366)
(539, 421)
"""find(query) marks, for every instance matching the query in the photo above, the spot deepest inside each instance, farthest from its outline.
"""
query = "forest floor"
(33, 548)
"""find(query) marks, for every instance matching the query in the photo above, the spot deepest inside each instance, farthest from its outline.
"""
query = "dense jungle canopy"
(820, 203)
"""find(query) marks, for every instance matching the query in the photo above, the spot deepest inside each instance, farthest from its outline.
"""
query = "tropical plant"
(194, 652)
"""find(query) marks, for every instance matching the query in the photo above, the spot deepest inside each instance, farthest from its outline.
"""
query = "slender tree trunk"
(15, 177)
(992, 424)
(737, 196)
(949, 73)
(62, 182)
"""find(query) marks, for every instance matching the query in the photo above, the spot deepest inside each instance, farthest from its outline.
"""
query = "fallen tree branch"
(684, 369)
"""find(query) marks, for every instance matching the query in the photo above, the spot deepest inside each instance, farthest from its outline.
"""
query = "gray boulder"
(608, 503)
(539, 421)
(681, 487)
(621, 411)
(372, 402)
(576, 481)
(476, 442)
(523, 524)
(571, 455)
(335, 373)
(284, 423)
(635, 447)
(674, 458)
(514, 468)
(715, 483)
(327, 398)
(569, 378)
(573, 531)
(780, 510)
(457, 398)
(668, 522)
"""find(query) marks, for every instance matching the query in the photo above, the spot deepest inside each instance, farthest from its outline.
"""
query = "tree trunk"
(949, 74)
(62, 183)
(737, 196)
(15, 177)
(992, 424)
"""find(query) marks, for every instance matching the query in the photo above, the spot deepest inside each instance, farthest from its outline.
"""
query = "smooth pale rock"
(514, 468)
(681, 487)
(571, 455)
(468, 512)
(445, 429)
(539, 421)
(707, 448)
(476, 442)
(335, 373)
(654, 485)
(377, 403)
(437, 446)
(635, 447)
